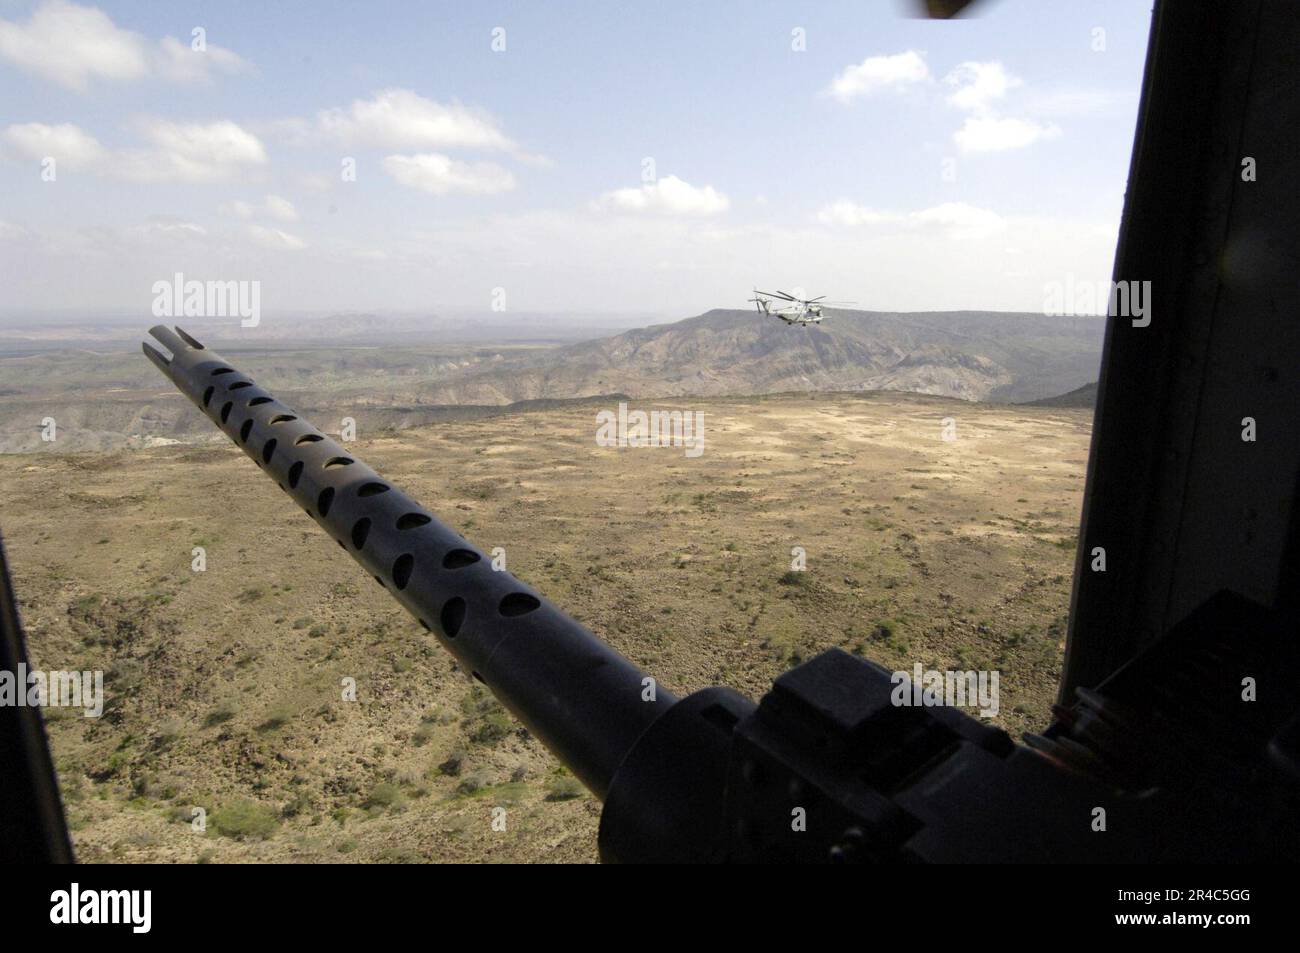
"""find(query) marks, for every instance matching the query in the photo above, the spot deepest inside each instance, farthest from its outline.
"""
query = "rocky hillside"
(1085, 396)
(109, 396)
(973, 355)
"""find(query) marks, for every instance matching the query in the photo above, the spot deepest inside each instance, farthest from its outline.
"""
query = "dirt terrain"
(223, 686)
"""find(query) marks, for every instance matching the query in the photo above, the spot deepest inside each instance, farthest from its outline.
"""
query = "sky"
(565, 156)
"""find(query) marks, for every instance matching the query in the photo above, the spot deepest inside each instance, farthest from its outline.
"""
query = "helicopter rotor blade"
(776, 294)
(944, 9)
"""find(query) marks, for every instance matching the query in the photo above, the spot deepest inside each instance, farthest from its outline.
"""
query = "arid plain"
(222, 686)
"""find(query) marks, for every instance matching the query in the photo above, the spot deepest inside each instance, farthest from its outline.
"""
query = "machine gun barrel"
(584, 701)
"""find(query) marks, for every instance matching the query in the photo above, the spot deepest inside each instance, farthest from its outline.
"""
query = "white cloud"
(955, 220)
(442, 175)
(959, 220)
(666, 196)
(73, 46)
(294, 131)
(239, 209)
(191, 152)
(990, 134)
(9, 231)
(402, 119)
(978, 88)
(168, 230)
(850, 214)
(281, 209)
(181, 63)
(977, 85)
(535, 159)
(69, 145)
(219, 142)
(180, 152)
(875, 73)
(274, 239)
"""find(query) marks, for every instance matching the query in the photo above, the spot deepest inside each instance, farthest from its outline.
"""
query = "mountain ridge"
(1005, 357)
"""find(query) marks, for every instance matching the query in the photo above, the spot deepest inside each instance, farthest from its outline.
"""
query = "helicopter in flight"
(795, 310)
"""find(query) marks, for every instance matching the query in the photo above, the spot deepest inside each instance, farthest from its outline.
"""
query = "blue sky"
(901, 163)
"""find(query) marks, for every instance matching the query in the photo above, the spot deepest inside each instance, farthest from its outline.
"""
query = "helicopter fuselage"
(798, 314)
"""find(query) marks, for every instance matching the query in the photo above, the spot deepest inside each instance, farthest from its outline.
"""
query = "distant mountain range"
(973, 355)
(22, 332)
(107, 395)
(1085, 396)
